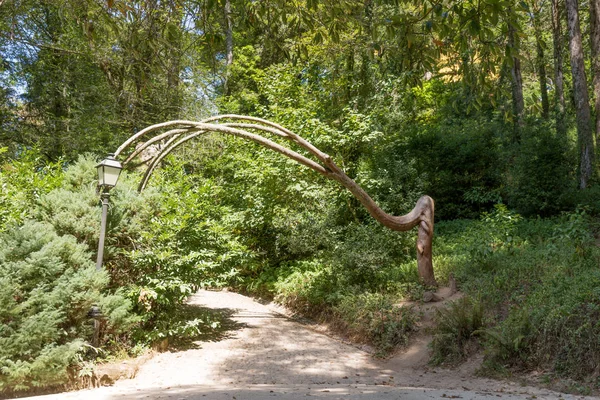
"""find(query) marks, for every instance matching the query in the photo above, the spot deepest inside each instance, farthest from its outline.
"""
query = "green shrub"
(455, 329)
(168, 241)
(540, 278)
(510, 343)
(160, 246)
(458, 163)
(540, 178)
(47, 286)
(377, 319)
(308, 287)
(366, 254)
(588, 198)
(23, 181)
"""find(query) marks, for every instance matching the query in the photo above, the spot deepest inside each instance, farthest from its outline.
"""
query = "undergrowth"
(537, 281)
(366, 316)
(456, 326)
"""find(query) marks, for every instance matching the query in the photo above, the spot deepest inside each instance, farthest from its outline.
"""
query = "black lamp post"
(108, 175)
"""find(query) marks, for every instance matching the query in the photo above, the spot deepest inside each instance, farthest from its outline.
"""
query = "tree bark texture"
(516, 83)
(541, 64)
(582, 106)
(178, 132)
(228, 43)
(595, 51)
(561, 128)
(174, 61)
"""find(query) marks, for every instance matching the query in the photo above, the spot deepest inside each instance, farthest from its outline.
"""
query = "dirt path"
(266, 355)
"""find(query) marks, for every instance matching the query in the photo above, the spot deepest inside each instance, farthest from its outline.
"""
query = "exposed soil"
(261, 353)
(416, 355)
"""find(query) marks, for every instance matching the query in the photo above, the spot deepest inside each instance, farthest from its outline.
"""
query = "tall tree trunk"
(582, 106)
(561, 128)
(595, 49)
(541, 64)
(174, 62)
(517, 82)
(228, 43)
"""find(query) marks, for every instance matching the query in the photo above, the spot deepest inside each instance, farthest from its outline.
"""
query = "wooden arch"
(173, 134)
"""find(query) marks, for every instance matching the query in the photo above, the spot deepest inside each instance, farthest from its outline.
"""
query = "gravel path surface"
(267, 355)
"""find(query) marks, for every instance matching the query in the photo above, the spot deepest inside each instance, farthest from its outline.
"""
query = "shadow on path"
(205, 325)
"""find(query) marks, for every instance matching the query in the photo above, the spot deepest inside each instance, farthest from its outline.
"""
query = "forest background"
(491, 107)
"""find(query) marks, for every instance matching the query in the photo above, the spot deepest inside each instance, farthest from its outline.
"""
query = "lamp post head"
(108, 172)
(95, 312)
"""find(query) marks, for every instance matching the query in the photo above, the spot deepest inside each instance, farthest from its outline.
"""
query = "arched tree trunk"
(421, 216)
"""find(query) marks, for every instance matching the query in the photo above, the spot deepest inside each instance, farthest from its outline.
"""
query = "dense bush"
(23, 181)
(155, 258)
(454, 330)
(47, 286)
(162, 245)
(377, 318)
(540, 179)
(540, 279)
(458, 161)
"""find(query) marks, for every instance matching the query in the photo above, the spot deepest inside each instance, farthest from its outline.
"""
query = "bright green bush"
(160, 247)
(308, 287)
(22, 182)
(165, 243)
(47, 286)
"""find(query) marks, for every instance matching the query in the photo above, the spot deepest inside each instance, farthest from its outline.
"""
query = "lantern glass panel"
(101, 175)
(111, 175)
(108, 172)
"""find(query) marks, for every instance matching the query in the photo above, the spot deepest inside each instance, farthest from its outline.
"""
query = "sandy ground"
(266, 355)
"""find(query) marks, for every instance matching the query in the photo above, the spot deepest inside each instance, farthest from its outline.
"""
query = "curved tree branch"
(169, 147)
(421, 216)
(139, 149)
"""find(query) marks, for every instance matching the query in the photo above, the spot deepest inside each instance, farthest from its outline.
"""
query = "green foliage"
(588, 198)
(408, 99)
(307, 286)
(500, 234)
(541, 180)
(453, 333)
(317, 290)
(23, 181)
(167, 242)
(510, 344)
(48, 285)
(458, 158)
(368, 254)
(540, 279)
(181, 326)
(245, 77)
(377, 318)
